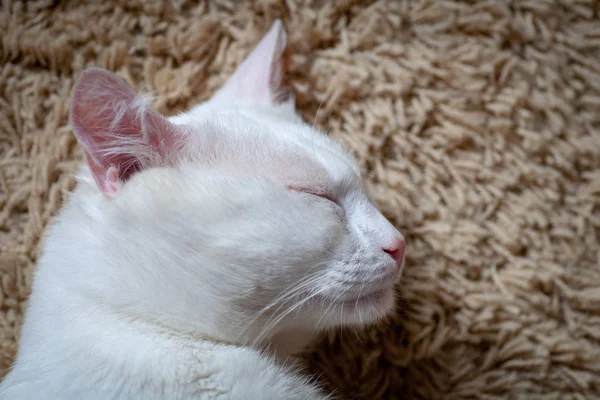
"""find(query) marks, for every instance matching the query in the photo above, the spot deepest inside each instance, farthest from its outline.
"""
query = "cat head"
(235, 215)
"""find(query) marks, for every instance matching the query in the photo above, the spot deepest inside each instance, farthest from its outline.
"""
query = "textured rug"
(477, 125)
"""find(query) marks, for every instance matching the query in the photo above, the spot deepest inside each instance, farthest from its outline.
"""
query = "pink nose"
(396, 250)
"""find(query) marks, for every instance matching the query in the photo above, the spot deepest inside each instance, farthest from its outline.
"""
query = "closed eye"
(315, 193)
(324, 196)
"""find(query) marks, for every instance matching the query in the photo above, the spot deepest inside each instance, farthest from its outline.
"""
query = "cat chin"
(366, 309)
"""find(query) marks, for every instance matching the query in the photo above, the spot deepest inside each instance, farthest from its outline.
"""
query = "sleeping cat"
(200, 251)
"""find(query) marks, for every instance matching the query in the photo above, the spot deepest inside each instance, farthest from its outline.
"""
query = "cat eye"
(324, 196)
(319, 194)
(337, 207)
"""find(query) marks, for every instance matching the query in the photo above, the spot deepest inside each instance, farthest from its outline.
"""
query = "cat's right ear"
(120, 133)
(259, 78)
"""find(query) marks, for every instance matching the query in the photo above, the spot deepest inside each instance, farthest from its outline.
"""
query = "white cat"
(198, 252)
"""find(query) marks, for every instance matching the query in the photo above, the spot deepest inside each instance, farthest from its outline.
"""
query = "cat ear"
(258, 79)
(119, 132)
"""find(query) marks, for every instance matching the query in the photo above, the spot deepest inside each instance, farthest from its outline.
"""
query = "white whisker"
(321, 103)
(309, 281)
(269, 326)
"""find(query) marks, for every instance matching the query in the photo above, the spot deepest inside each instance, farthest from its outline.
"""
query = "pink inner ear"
(259, 76)
(116, 129)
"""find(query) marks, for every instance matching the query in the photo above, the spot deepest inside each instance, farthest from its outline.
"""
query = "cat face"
(318, 238)
(265, 218)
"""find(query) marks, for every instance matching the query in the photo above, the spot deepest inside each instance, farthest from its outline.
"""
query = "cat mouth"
(379, 292)
(371, 297)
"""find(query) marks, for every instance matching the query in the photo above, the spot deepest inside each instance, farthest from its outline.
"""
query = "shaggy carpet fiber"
(477, 124)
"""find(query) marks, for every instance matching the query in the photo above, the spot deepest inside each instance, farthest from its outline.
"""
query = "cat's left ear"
(258, 79)
(120, 134)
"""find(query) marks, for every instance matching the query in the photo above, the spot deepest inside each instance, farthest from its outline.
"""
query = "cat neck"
(284, 346)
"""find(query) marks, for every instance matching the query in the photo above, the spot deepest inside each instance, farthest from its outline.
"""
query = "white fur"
(201, 276)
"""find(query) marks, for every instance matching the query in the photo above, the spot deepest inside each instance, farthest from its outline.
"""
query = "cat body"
(198, 253)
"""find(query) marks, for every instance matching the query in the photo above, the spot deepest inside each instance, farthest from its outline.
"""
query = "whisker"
(321, 103)
(330, 306)
(282, 299)
(286, 295)
(358, 336)
(291, 309)
(290, 290)
(356, 305)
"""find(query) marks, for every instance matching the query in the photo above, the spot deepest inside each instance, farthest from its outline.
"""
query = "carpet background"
(477, 125)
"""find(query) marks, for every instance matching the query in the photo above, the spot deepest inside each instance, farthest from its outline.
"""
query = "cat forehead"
(270, 144)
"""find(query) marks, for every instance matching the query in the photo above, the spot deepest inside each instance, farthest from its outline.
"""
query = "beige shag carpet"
(477, 124)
